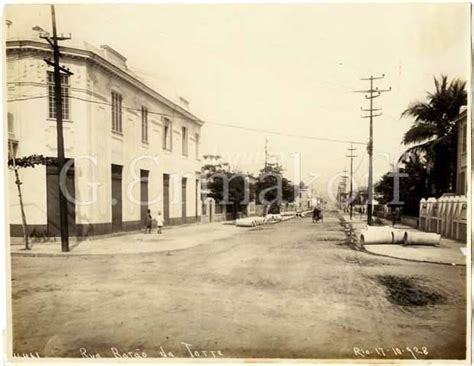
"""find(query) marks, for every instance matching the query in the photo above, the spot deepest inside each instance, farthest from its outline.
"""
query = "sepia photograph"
(253, 182)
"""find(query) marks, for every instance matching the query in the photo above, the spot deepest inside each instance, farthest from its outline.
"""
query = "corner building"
(129, 148)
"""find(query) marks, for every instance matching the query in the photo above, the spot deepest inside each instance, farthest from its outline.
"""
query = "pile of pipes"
(273, 218)
(259, 220)
(250, 221)
(390, 235)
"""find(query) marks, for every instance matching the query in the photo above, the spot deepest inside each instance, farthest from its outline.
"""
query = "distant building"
(461, 161)
(303, 199)
(115, 125)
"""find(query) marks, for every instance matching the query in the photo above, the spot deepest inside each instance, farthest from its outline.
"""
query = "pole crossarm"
(373, 96)
(372, 116)
(63, 69)
(369, 110)
(374, 77)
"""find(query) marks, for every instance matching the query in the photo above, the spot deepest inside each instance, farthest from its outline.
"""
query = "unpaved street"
(291, 290)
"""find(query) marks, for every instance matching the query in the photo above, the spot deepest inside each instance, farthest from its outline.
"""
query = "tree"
(227, 185)
(433, 133)
(272, 188)
(413, 185)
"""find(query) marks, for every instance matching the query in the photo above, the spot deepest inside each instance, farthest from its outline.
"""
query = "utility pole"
(266, 152)
(351, 199)
(58, 71)
(20, 196)
(339, 195)
(343, 188)
(371, 94)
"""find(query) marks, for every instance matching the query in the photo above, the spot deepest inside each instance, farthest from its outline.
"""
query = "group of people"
(149, 222)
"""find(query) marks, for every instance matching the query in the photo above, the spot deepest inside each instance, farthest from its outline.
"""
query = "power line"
(315, 138)
(287, 134)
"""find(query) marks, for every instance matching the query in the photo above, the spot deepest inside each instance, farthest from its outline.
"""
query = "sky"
(291, 69)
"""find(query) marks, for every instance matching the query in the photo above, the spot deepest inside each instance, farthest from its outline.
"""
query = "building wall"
(461, 170)
(89, 139)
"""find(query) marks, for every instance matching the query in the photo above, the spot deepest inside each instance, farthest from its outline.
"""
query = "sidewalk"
(173, 238)
(448, 252)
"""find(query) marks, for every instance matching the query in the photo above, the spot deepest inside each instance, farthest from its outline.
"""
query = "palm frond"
(419, 132)
(423, 148)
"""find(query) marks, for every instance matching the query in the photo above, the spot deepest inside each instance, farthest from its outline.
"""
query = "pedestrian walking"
(159, 222)
(148, 222)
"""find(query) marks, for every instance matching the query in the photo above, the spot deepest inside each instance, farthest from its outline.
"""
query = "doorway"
(116, 198)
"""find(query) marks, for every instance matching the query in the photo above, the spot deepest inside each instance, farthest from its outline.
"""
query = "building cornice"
(74, 52)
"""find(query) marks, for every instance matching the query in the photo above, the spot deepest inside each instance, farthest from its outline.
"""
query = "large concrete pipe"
(421, 238)
(377, 236)
(398, 236)
(259, 220)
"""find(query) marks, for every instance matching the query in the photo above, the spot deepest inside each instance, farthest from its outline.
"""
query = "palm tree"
(433, 133)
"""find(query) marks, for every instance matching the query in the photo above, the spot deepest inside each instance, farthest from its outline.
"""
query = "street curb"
(71, 254)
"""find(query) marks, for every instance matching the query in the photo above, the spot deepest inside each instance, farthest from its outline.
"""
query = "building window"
(464, 138)
(65, 87)
(144, 125)
(116, 112)
(184, 141)
(167, 134)
(197, 145)
(12, 149)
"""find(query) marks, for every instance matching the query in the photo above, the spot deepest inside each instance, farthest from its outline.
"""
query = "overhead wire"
(173, 116)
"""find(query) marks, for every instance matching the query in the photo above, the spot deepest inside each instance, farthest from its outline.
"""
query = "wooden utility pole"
(371, 94)
(20, 196)
(58, 71)
(351, 198)
(266, 152)
(344, 186)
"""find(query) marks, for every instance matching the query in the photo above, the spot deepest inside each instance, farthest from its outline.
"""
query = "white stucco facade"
(94, 146)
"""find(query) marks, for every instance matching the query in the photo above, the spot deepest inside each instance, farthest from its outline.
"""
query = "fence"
(446, 215)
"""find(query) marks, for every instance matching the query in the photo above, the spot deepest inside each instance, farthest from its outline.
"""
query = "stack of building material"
(273, 218)
(250, 221)
(390, 235)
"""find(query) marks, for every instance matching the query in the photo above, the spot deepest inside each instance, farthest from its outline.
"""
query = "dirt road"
(292, 290)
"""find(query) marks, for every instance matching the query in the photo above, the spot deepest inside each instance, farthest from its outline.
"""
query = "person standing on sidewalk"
(396, 215)
(148, 222)
(159, 222)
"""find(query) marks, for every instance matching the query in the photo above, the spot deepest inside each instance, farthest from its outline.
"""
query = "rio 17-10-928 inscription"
(391, 352)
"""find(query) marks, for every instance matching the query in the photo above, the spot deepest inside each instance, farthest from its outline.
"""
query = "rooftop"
(106, 56)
